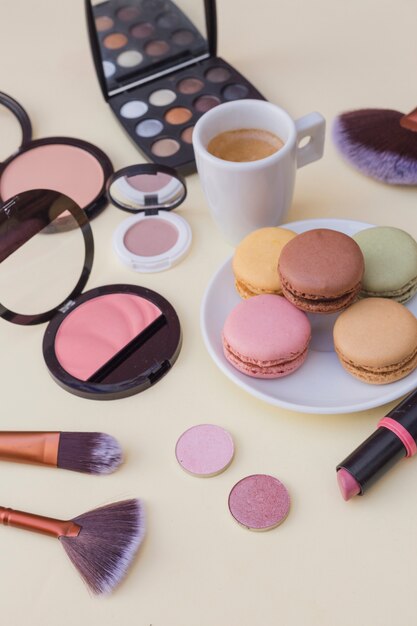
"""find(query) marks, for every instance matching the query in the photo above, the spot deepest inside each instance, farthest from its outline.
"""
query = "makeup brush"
(381, 143)
(91, 453)
(101, 543)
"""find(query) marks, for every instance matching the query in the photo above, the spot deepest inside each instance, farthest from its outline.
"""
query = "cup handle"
(312, 125)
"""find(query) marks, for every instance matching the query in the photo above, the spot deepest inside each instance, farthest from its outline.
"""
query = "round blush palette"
(110, 342)
(259, 502)
(154, 239)
(205, 450)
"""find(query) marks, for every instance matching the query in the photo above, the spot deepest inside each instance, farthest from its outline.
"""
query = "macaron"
(321, 270)
(266, 337)
(255, 261)
(376, 340)
(390, 263)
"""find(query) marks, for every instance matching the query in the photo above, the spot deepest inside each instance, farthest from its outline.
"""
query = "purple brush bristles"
(92, 453)
(109, 539)
(374, 142)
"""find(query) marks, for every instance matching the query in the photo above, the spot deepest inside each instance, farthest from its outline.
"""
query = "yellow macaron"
(255, 262)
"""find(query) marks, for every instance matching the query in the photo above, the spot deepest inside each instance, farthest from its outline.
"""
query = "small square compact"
(71, 166)
(153, 239)
(157, 67)
(106, 343)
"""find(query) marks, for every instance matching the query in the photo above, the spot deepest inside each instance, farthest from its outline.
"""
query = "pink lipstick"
(394, 439)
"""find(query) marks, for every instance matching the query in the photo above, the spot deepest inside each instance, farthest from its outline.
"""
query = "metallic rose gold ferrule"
(409, 121)
(38, 524)
(30, 447)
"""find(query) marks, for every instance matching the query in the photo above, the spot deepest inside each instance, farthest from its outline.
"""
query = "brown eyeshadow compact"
(158, 70)
(105, 343)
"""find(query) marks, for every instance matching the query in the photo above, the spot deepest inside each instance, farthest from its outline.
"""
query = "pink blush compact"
(155, 238)
(107, 343)
(98, 329)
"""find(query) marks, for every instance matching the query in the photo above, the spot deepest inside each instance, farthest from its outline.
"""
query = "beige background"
(331, 563)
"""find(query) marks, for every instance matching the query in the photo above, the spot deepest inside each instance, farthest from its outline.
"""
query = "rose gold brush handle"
(30, 447)
(38, 523)
(409, 121)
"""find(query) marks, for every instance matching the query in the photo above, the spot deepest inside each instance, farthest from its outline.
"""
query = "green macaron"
(390, 263)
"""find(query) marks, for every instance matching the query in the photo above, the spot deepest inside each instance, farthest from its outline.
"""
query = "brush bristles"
(374, 142)
(92, 453)
(109, 539)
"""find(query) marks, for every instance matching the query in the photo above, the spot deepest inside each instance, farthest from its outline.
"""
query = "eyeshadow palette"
(106, 343)
(157, 66)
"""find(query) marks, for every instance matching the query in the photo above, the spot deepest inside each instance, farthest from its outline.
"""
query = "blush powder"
(151, 237)
(60, 167)
(205, 450)
(98, 329)
(259, 502)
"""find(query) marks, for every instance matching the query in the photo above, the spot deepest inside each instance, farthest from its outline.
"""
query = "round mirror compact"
(153, 239)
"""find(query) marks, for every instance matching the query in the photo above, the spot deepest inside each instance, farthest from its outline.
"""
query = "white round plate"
(321, 385)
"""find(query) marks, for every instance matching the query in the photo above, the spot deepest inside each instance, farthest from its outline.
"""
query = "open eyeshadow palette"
(157, 66)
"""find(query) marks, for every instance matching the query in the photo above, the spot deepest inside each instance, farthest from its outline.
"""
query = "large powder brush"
(91, 453)
(381, 143)
(101, 543)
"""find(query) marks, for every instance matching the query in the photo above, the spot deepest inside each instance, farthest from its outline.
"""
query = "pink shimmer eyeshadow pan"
(98, 329)
(205, 450)
(259, 502)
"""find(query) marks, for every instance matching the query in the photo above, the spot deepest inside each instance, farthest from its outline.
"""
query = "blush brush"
(101, 543)
(381, 143)
(91, 453)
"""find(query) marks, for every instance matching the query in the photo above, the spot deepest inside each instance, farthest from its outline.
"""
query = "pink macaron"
(266, 337)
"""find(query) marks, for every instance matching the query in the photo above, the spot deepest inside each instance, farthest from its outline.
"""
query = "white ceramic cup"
(244, 196)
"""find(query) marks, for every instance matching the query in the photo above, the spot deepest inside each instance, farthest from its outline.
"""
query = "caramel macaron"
(255, 261)
(376, 340)
(321, 271)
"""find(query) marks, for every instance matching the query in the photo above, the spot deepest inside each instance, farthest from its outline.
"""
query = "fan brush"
(91, 453)
(101, 543)
(381, 143)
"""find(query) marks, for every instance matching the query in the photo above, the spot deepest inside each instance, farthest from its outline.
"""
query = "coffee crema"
(244, 144)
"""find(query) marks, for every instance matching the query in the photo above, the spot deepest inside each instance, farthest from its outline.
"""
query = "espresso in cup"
(244, 144)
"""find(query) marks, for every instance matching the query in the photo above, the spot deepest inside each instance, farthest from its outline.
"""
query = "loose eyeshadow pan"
(129, 58)
(133, 109)
(115, 41)
(187, 135)
(259, 502)
(165, 147)
(142, 30)
(183, 37)
(190, 85)
(235, 92)
(178, 115)
(156, 48)
(205, 450)
(205, 103)
(162, 97)
(128, 13)
(104, 22)
(218, 74)
(149, 128)
(109, 68)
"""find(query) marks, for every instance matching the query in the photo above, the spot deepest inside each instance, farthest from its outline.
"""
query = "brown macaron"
(321, 271)
(376, 340)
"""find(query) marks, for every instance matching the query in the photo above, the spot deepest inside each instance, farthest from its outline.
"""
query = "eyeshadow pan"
(259, 502)
(96, 330)
(165, 147)
(103, 22)
(134, 108)
(218, 74)
(149, 128)
(151, 236)
(142, 30)
(178, 115)
(235, 91)
(183, 37)
(205, 450)
(128, 13)
(167, 20)
(162, 97)
(205, 103)
(156, 48)
(129, 58)
(115, 41)
(187, 135)
(109, 68)
(190, 85)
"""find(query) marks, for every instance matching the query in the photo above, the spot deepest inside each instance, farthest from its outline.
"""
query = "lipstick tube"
(38, 523)
(30, 447)
(394, 439)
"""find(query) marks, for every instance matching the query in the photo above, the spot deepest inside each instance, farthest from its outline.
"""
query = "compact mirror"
(142, 38)
(154, 239)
